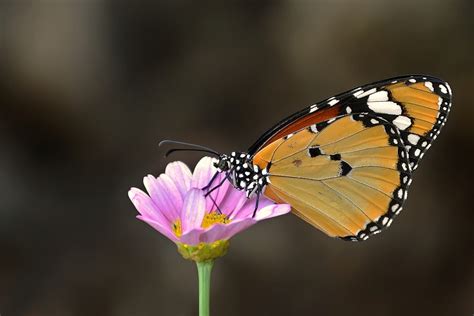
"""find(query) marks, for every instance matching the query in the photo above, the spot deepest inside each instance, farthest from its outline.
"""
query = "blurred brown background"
(88, 88)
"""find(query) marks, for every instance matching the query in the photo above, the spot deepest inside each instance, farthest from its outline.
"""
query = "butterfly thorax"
(243, 173)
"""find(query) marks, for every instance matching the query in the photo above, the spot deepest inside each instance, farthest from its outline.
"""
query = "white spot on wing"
(378, 96)
(333, 102)
(413, 139)
(402, 122)
(357, 93)
(443, 89)
(364, 94)
(429, 85)
(387, 107)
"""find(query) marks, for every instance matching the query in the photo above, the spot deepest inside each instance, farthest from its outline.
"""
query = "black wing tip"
(418, 77)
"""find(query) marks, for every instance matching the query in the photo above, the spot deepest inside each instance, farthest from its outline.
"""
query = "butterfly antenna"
(194, 147)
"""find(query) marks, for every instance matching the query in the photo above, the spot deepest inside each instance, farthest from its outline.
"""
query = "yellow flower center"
(214, 218)
(177, 228)
(203, 251)
(208, 220)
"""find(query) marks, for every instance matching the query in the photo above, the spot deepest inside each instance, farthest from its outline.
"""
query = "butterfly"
(345, 164)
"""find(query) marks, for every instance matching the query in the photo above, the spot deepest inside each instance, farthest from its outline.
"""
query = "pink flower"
(177, 207)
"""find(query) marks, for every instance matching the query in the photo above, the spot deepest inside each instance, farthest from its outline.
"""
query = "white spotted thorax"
(243, 174)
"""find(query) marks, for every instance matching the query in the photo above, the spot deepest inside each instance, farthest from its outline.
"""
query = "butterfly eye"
(222, 164)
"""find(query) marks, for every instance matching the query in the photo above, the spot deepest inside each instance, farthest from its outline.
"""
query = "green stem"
(204, 274)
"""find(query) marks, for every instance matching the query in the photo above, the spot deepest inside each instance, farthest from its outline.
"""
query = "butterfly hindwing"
(347, 176)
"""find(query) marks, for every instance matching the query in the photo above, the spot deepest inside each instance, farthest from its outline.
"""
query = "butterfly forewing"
(416, 105)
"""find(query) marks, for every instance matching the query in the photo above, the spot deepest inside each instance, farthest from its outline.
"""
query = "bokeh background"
(88, 88)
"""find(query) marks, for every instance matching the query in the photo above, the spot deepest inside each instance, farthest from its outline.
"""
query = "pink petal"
(203, 173)
(272, 211)
(223, 189)
(218, 195)
(164, 193)
(247, 209)
(192, 237)
(194, 209)
(233, 201)
(146, 207)
(181, 175)
(159, 227)
(226, 231)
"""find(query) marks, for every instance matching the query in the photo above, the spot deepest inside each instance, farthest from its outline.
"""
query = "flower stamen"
(177, 230)
(214, 218)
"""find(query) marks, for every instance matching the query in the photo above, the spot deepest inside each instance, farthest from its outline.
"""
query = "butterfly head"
(223, 163)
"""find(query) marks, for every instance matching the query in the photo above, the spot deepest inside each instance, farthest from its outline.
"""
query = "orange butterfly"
(345, 164)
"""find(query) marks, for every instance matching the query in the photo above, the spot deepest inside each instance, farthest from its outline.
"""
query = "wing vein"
(314, 138)
(320, 211)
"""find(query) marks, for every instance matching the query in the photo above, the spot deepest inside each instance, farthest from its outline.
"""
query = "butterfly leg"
(215, 204)
(256, 204)
(211, 181)
(227, 177)
(216, 187)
